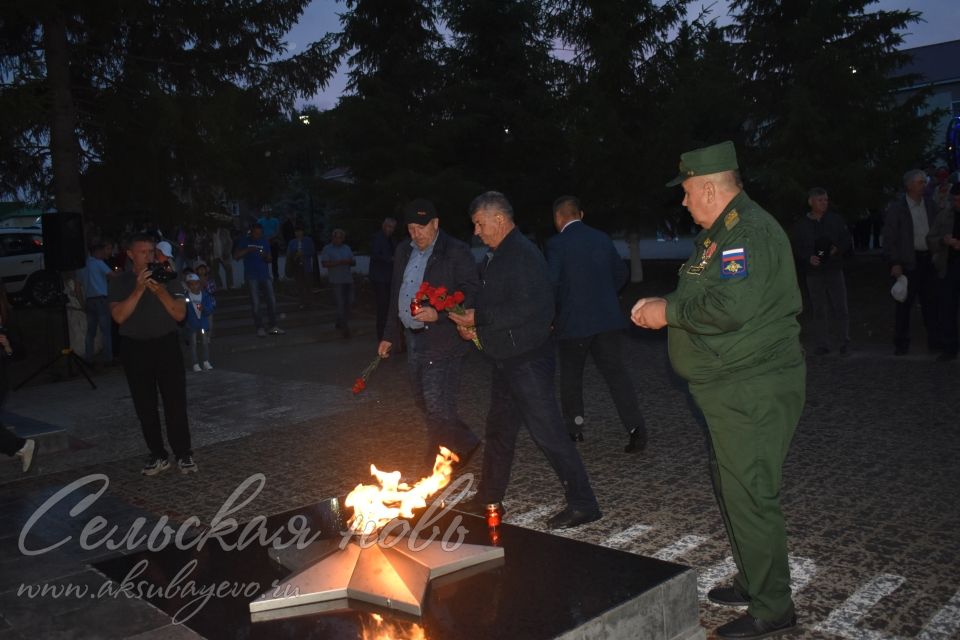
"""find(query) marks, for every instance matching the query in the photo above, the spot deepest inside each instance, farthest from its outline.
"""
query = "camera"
(160, 273)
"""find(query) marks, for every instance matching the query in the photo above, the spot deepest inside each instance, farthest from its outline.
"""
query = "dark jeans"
(382, 295)
(524, 393)
(304, 281)
(607, 355)
(921, 285)
(828, 297)
(949, 308)
(343, 292)
(9, 443)
(98, 315)
(436, 386)
(152, 365)
(275, 263)
(262, 288)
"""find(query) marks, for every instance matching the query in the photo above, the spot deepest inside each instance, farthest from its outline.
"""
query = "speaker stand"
(73, 360)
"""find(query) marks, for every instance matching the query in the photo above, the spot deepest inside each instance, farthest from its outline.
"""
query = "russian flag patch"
(733, 263)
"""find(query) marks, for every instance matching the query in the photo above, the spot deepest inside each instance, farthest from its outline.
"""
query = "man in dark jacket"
(944, 243)
(435, 351)
(512, 317)
(587, 272)
(820, 239)
(906, 223)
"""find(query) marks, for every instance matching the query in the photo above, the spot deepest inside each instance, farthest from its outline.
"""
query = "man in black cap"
(435, 350)
(734, 337)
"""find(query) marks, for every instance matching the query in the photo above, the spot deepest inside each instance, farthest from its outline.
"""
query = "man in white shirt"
(906, 223)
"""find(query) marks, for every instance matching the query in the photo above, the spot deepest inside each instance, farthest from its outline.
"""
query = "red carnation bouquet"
(361, 383)
(441, 300)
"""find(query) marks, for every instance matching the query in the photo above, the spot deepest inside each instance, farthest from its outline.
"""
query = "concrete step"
(49, 437)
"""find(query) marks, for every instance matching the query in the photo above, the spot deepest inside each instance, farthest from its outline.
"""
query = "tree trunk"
(64, 146)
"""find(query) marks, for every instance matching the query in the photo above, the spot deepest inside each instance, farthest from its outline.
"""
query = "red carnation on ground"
(361, 383)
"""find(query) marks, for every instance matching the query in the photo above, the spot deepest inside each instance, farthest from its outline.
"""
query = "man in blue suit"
(587, 272)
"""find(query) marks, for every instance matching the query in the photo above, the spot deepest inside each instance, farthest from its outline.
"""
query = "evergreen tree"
(167, 95)
(383, 124)
(501, 126)
(820, 76)
(614, 102)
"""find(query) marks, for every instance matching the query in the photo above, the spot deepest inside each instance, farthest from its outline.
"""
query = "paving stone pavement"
(869, 488)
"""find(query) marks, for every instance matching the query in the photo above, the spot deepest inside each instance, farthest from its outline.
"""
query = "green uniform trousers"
(751, 423)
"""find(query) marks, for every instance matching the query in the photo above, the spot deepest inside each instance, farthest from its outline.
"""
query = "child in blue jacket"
(200, 306)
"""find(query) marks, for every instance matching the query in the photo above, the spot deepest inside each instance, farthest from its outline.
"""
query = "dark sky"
(941, 22)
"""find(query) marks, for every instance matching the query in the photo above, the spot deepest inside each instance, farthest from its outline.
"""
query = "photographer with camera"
(147, 303)
(254, 250)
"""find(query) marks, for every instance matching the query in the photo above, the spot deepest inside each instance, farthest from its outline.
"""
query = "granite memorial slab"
(545, 586)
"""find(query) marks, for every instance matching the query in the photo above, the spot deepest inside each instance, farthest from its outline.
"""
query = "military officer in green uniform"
(733, 336)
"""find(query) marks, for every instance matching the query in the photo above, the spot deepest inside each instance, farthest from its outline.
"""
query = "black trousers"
(607, 355)
(157, 365)
(523, 393)
(9, 443)
(922, 286)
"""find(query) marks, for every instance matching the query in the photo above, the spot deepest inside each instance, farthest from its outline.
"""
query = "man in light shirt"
(92, 290)
(906, 223)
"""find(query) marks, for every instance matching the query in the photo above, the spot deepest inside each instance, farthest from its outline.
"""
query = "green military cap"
(702, 162)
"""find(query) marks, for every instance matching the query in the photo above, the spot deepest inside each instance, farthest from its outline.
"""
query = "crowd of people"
(732, 326)
(920, 243)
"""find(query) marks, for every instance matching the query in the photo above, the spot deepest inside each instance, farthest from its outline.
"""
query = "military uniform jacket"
(734, 312)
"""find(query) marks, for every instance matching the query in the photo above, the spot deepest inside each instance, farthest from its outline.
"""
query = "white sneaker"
(196, 367)
(207, 366)
(187, 465)
(277, 331)
(154, 466)
(26, 453)
(261, 333)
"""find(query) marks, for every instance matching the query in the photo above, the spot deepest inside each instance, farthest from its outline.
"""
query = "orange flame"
(375, 506)
(389, 631)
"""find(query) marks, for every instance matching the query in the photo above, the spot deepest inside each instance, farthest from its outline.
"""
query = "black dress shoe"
(478, 507)
(569, 518)
(638, 440)
(746, 627)
(728, 597)
(577, 436)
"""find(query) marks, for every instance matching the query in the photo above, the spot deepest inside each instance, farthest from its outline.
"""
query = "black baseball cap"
(419, 211)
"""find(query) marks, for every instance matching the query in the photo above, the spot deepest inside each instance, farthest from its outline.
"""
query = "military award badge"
(710, 248)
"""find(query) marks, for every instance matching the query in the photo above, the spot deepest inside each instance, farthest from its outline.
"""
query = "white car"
(21, 267)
